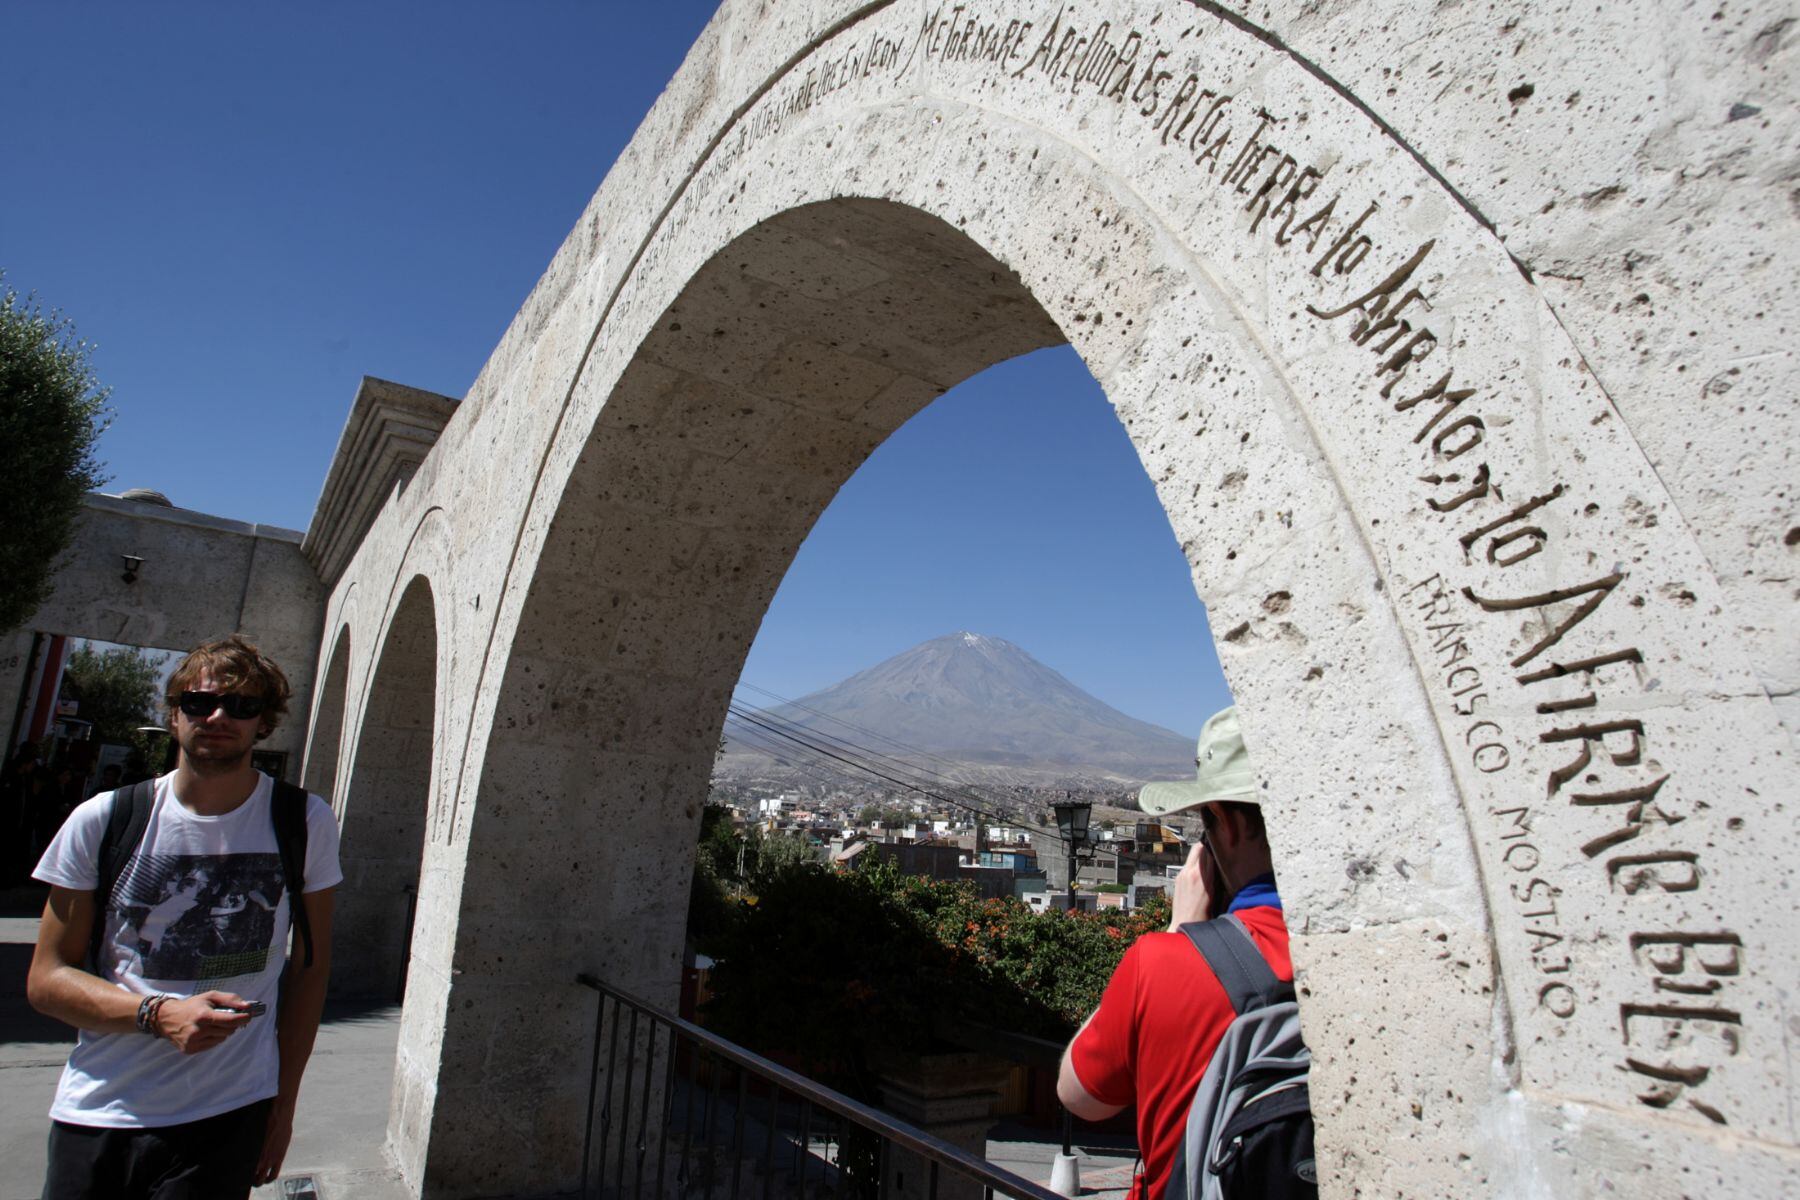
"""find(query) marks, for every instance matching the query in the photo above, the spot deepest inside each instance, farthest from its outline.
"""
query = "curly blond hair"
(236, 665)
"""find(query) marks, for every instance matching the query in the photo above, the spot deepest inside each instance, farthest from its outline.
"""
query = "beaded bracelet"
(143, 1014)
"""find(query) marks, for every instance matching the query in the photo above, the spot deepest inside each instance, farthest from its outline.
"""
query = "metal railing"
(686, 1113)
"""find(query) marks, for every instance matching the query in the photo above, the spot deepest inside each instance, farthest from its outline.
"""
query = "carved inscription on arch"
(1603, 770)
(1557, 727)
(1604, 766)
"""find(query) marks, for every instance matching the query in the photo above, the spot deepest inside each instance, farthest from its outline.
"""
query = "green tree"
(116, 689)
(778, 854)
(52, 412)
(832, 966)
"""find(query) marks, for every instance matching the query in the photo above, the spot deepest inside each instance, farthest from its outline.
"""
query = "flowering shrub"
(828, 968)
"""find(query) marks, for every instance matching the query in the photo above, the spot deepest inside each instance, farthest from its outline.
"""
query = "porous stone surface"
(1457, 343)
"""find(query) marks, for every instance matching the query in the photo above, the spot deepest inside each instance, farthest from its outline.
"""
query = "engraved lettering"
(1259, 203)
(1640, 810)
(1519, 513)
(1490, 757)
(1474, 702)
(1446, 396)
(1522, 856)
(1558, 999)
(1152, 80)
(1674, 1080)
(1250, 146)
(1472, 428)
(1044, 46)
(1632, 873)
(1595, 592)
(1437, 601)
(1521, 824)
(1588, 736)
(1374, 304)
(1350, 248)
(1204, 130)
(1316, 224)
(1166, 122)
(1478, 487)
(1282, 215)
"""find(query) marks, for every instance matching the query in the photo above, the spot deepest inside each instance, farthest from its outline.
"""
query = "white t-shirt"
(200, 906)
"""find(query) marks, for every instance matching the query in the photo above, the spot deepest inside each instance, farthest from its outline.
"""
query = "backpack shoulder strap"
(125, 826)
(1229, 950)
(287, 810)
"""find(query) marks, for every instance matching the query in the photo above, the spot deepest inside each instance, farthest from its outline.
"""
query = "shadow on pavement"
(1086, 1140)
(19, 1022)
(360, 1012)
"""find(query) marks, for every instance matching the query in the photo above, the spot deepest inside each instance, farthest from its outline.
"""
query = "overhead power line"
(799, 742)
(905, 766)
(914, 753)
(864, 764)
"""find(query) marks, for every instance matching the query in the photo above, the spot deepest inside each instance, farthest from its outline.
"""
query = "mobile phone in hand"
(1218, 893)
(252, 1008)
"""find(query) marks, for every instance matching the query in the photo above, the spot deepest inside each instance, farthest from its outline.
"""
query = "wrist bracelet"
(149, 1011)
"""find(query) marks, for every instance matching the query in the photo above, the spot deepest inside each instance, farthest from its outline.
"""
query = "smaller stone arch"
(322, 748)
(385, 802)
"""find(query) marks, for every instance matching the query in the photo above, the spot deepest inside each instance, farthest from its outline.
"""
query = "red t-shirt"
(1160, 1019)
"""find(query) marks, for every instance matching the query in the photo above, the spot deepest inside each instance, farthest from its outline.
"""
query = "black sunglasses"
(204, 704)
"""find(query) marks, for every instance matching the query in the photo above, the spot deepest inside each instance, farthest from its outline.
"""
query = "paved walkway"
(342, 1119)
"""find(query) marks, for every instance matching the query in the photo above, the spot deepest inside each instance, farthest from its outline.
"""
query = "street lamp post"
(1072, 822)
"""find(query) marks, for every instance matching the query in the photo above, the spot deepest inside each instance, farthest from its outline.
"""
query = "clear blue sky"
(248, 207)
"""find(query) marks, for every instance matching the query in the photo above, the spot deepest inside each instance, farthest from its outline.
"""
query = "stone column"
(950, 1096)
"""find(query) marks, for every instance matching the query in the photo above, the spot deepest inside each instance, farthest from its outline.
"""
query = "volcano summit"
(972, 707)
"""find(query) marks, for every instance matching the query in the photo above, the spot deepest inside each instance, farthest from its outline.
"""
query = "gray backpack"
(1249, 1129)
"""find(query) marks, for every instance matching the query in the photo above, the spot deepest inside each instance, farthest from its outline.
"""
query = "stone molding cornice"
(390, 430)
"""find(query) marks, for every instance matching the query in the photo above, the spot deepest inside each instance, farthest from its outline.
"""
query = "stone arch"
(1428, 541)
(386, 802)
(325, 741)
(672, 534)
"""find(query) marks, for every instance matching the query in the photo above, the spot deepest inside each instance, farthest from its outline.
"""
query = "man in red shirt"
(1163, 1012)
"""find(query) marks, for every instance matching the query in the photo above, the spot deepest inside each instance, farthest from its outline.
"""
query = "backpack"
(130, 816)
(1250, 1128)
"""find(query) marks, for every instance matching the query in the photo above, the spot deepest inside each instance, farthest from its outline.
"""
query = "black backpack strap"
(1292, 1101)
(1229, 950)
(287, 809)
(125, 826)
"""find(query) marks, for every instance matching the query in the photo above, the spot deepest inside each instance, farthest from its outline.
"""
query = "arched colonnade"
(1509, 682)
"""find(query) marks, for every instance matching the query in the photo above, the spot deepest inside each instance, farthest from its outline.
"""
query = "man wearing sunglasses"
(1164, 1012)
(195, 1024)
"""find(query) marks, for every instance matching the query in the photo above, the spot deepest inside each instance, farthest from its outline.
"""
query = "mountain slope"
(987, 706)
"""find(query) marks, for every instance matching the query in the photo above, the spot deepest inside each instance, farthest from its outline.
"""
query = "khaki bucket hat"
(1223, 771)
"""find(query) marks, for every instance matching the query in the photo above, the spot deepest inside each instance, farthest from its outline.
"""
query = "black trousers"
(210, 1159)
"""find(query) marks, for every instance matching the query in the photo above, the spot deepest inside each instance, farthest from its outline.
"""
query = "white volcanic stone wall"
(1457, 343)
(202, 577)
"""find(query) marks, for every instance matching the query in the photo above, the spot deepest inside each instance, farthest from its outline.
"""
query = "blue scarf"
(1258, 893)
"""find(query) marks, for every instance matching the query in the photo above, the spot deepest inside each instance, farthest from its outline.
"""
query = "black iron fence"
(681, 1112)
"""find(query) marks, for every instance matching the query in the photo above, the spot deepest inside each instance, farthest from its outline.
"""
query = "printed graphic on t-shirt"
(205, 917)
